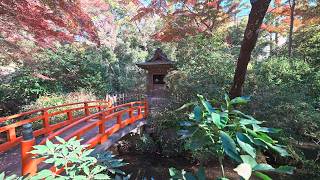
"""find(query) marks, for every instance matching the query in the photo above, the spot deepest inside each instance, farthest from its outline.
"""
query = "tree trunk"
(257, 13)
(271, 44)
(292, 8)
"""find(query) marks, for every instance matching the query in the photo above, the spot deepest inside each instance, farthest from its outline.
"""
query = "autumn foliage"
(182, 18)
(304, 13)
(44, 21)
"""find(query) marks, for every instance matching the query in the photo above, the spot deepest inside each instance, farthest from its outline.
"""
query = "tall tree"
(256, 16)
(292, 9)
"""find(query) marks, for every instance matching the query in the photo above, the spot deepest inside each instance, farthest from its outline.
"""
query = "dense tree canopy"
(183, 18)
(46, 20)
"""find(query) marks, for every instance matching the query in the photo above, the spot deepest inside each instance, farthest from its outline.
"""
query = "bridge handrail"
(95, 115)
(29, 164)
(13, 139)
(2, 119)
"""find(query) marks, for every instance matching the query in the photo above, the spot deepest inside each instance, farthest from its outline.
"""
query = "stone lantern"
(157, 68)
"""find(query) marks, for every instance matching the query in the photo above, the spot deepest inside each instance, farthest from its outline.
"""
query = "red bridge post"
(86, 109)
(70, 116)
(102, 128)
(119, 120)
(131, 109)
(28, 164)
(46, 123)
(146, 107)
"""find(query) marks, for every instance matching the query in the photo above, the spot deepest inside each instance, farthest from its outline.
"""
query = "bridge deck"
(10, 161)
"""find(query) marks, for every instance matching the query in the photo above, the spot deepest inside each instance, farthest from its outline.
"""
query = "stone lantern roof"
(159, 60)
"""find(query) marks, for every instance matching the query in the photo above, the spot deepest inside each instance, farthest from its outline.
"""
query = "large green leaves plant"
(177, 174)
(224, 130)
(77, 161)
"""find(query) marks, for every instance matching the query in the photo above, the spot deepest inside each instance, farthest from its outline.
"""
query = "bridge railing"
(43, 117)
(135, 111)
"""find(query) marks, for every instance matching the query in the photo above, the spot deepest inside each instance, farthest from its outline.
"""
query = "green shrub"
(307, 44)
(126, 76)
(22, 89)
(224, 130)
(286, 94)
(204, 66)
(72, 67)
(66, 69)
(56, 100)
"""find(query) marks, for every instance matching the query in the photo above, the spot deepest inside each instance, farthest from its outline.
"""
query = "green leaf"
(39, 149)
(244, 143)
(229, 146)
(86, 170)
(98, 169)
(206, 104)
(281, 169)
(265, 138)
(258, 142)
(43, 174)
(245, 122)
(224, 118)
(265, 129)
(263, 167)
(175, 174)
(62, 141)
(101, 176)
(262, 142)
(79, 177)
(240, 100)
(244, 170)
(50, 145)
(2, 176)
(227, 100)
(186, 106)
(222, 178)
(216, 119)
(262, 176)
(285, 169)
(13, 177)
(59, 162)
(241, 114)
(278, 149)
(249, 160)
(49, 160)
(197, 113)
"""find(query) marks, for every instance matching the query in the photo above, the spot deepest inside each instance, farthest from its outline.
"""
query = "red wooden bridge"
(99, 123)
